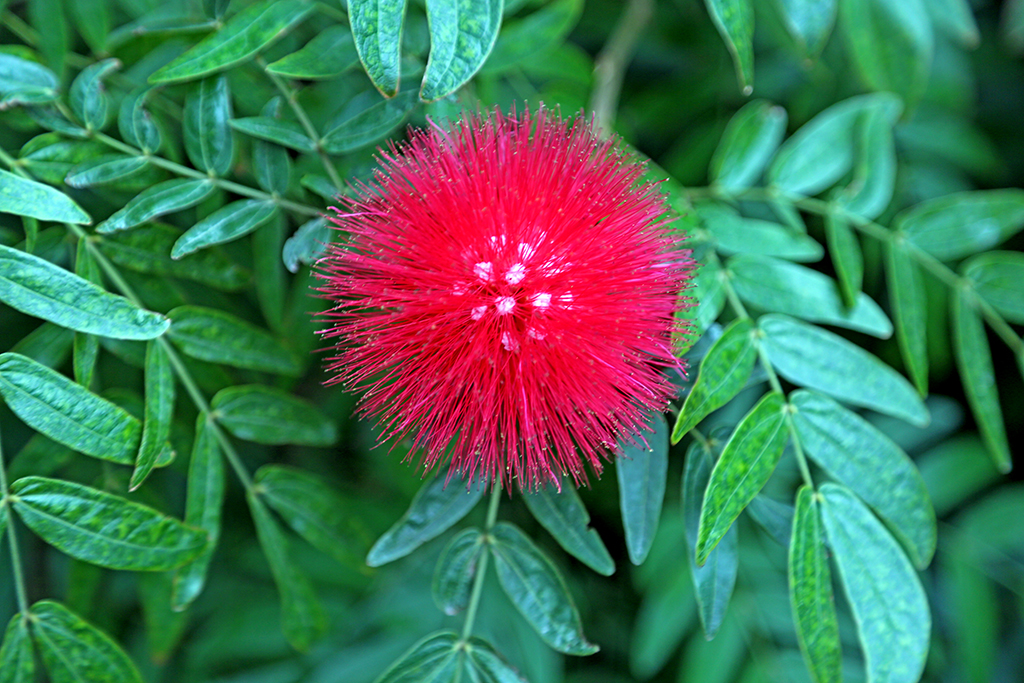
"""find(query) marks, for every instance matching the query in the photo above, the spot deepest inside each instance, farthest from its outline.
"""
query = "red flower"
(507, 296)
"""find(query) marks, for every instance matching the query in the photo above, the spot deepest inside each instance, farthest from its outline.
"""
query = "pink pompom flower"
(508, 297)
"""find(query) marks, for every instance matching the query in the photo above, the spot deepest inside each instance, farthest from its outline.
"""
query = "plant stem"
(610, 65)
(481, 570)
(5, 501)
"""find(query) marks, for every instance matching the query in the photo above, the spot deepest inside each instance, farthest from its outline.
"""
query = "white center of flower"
(509, 342)
(478, 312)
(515, 274)
(483, 270)
(525, 251)
(504, 304)
(541, 300)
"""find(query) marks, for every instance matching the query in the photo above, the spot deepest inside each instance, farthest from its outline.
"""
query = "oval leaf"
(24, 197)
(874, 171)
(455, 570)
(163, 198)
(273, 417)
(108, 168)
(642, 470)
(462, 35)
(369, 125)
(734, 234)
(435, 659)
(331, 53)
(136, 124)
(17, 661)
(307, 244)
(488, 664)
(962, 223)
(734, 19)
(563, 514)
(159, 411)
(377, 31)
(907, 294)
(74, 650)
(809, 22)
(205, 125)
(998, 278)
(282, 132)
(87, 99)
(219, 337)
(227, 223)
(751, 137)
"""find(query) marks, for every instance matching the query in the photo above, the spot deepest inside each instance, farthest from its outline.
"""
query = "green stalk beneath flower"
(481, 572)
(5, 500)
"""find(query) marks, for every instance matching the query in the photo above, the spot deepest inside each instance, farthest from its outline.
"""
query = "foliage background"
(668, 77)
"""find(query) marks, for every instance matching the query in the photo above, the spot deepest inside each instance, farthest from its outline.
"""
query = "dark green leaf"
(723, 372)
(534, 34)
(92, 20)
(909, 306)
(955, 470)
(321, 185)
(244, 35)
(814, 358)
(102, 528)
(748, 460)
(664, 618)
(715, 579)
(281, 131)
(462, 34)
(563, 514)
(84, 353)
(17, 661)
(48, 344)
(486, 663)
(271, 281)
(960, 224)
(204, 501)
(159, 411)
(809, 22)
(302, 616)
(810, 592)
(270, 160)
(87, 99)
(67, 412)
(998, 278)
(328, 55)
(21, 78)
(847, 257)
(734, 19)
(865, 460)
(369, 125)
(751, 137)
(307, 244)
(219, 337)
(782, 287)
(734, 234)
(435, 659)
(377, 31)
(105, 169)
(164, 626)
(709, 294)
(437, 506)
(271, 416)
(228, 223)
(642, 470)
(75, 651)
(888, 603)
(455, 570)
(163, 198)
(206, 128)
(874, 169)
(774, 517)
(24, 197)
(538, 591)
(974, 359)
(136, 124)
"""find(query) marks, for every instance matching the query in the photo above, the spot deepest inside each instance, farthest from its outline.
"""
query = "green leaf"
(909, 306)
(74, 650)
(238, 40)
(751, 137)
(102, 528)
(709, 293)
(377, 31)
(486, 663)
(889, 43)
(163, 198)
(713, 581)
(462, 35)
(280, 131)
(219, 337)
(874, 171)
(810, 592)
(368, 125)
(642, 470)
(534, 34)
(664, 618)
(108, 168)
(67, 412)
(809, 22)
(960, 224)
(164, 627)
(974, 359)
(862, 458)
(734, 234)
(17, 661)
(228, 223)
(302, 616)
(271, 281)
(455, 570)
(311, 507)
(92, 20)
(889, 605)
(273, 417)
(159, 411)
(22, 78)
(723, 372)
(331, 53)
(87, 99)
(955, 470)
(271, 163)
(781, 287)
(204, 502)
(205, 125)
(3, 527)
(24, 197)
(847, 257)
(136, 124)
(437, 506)
(560, 511)
(538, 591)
(734, 20)
(814, 358)
(998, 278)
(435, 659)
(307, 244)
(748, 460)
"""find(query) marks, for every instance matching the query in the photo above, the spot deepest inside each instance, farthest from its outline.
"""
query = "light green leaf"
(437, 506)
(810, 592)
(955, 18)
(435, 659)
(307, 244)
(844, 249)
(723, 372)
(136, 124)
(455, 570)
(377, 31)
(205, 125)
(538, 591)
(280, 131)
(751, 137)
(642, 470)
(486, 663)
(734, 234)
(159, 411)
(331, 53)
(534, 34)
(163, 198)
(271, 163)
(909, 306)
(24, 197)
(87, 99)
(273, 417)
(368, 125)
(462, 34)
(748, 460)
(74, 650)
(244, 35)
(108, 168)
(709, 293)
(781, 287)
(809, 22)
(565, 517)
(227, 223)
(888, 603)
(17, 661)
(102, 528)
(734, 20)
(862, 458)
(998, 278)
(974, 359)
(219, 337)
(960, 224)
(25, 80)
(874, 171)
(814, 358)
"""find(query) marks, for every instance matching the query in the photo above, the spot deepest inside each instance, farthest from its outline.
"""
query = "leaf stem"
(610, 65)
(19, 577)
(481, 571)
